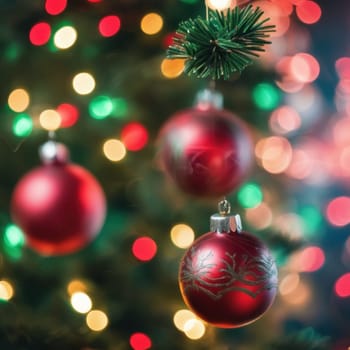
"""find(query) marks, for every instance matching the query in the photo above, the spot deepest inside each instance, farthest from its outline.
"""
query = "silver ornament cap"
(223, 222)
(52, 152)
(209, 98)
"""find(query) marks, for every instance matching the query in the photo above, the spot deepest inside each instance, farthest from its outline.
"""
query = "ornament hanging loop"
(223, 222)
(224, 207)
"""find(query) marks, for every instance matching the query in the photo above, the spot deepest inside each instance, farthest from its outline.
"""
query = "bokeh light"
(266, 96)
(76, 286)
(134, 136)
(18, 100)
(83, 83)
(289, 283)
(50, 119)
(260, 216)
(182, 235)
(312, 220)
(114, 150)
(310, 259)
(13, 241)
(151, 23)
(101, 107)
(65, 37)
(172, 68)
(55, 7)
(342, 66)
(338, 211)
(308, 11)
(275, 153)
(284, 119)
(144, 248)
(97, 320)
(249, 195)
(121, 107)
(220, 4)
(40, 33)
(109, 25)
(13, 236)
(6, 290)
(342, 286)
(140, 341)
(181, 317)
(22, 125)
(304, 67)
(69, 114)
(194, 329)
(298, 296)
(81, 302)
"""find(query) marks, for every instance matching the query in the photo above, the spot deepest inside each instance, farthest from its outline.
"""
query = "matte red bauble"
(59, 206)
(228, 278)
(206, 151)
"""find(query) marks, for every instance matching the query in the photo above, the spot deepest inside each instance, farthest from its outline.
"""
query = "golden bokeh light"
(181, 317)
(6, 290)
(18, 100)
(83, 83)
(182, 235)
(172, 68)
(97, 320)
(65, 37)
(76, 286)
(114, 150)
(289, 283)
(151, 23)
(50, 119)
(194, 329)
(81, 302)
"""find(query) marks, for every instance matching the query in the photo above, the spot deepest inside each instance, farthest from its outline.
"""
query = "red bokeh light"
(55, 7)
(308, 11)
(140, 341)
(342, 286)
(342, 66)
(69, 114)
(304, 67)
(40, 33)
(144, 248)
(311, 259)
(134, 136)
(338, 211)
(109, 25)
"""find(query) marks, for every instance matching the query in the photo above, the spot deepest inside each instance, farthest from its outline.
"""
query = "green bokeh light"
(250, 195)
(22, 125)
(121, 107)
(13, 240)
(101, 107)
(266, 96)
(312, 220)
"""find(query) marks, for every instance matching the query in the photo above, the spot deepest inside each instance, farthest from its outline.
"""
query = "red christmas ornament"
(228, 278)
(207, 151)
(59, 206)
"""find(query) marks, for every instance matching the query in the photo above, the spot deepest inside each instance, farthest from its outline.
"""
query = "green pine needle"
(223, 44)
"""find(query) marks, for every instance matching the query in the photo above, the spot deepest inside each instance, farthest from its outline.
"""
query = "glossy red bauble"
(206, 151)
(60, 207)
(228, 279)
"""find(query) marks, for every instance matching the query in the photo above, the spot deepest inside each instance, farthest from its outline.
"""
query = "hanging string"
(18, 146)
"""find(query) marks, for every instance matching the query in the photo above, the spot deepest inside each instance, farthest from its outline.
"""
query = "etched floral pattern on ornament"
(259, 272)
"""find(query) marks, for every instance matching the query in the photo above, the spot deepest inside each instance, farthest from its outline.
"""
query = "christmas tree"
(103, 78)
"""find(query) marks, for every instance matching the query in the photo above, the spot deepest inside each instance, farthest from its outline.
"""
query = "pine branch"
(222, 45)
